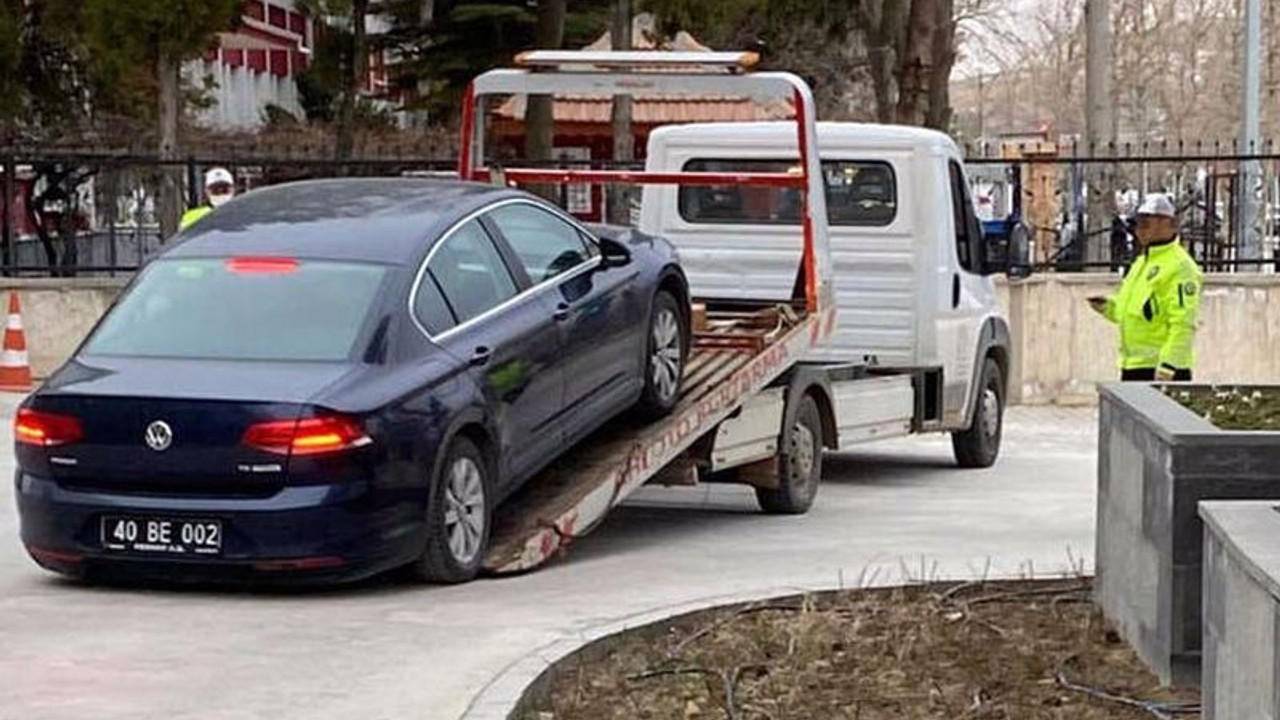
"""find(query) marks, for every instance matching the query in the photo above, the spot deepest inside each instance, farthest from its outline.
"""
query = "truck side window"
(968, 232)
(859, 193)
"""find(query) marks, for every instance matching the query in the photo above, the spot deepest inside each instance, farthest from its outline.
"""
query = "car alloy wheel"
(464, 515)
(667, 357)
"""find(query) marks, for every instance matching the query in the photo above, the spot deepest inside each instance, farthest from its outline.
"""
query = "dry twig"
(1013, 594)
(1163, 711)
(706, 630)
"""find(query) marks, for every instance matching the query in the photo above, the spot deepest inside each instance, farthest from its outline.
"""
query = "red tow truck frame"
(735, 357)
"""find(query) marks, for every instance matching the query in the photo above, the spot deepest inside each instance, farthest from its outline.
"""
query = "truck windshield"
(858, 193)
(241, 309)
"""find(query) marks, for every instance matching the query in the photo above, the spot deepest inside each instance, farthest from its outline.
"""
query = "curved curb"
(503, 696)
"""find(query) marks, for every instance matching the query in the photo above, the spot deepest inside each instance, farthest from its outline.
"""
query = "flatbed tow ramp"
(740, 353)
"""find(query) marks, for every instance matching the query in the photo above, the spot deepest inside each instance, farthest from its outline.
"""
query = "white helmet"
(1157, 204)
(219, 176)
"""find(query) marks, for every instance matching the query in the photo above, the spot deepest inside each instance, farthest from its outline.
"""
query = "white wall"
(242, 95)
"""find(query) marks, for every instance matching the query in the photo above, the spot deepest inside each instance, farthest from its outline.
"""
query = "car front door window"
(545, 245)
(469, 273)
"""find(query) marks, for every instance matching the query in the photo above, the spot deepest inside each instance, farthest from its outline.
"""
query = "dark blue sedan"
(335, 378)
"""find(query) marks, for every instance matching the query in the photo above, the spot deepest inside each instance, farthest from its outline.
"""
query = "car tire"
(459, 517)
(979, 445)
(666, 349)
(800, 465)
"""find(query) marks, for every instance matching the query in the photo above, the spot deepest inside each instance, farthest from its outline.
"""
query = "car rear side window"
(469, 272)
(858, 193)
(546, 245)
(242, 309)
(430, 307)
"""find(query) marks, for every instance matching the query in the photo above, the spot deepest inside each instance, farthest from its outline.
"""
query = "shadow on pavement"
(882, 469)
(632, 528)
(385, 584)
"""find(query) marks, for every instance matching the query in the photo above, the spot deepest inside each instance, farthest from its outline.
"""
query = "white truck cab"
(912, 276)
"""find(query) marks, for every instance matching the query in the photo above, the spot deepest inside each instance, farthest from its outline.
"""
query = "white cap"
(218, 175)
(1157, 204)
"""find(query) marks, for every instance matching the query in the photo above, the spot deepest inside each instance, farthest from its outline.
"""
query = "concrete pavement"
(396, 651)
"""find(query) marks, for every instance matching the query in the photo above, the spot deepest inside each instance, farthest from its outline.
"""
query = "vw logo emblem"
(159, 436)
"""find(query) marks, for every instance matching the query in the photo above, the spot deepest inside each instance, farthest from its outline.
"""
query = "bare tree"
(1176, 65)
(623, 138)
(539, 123)
(883, 22)
(354, 77)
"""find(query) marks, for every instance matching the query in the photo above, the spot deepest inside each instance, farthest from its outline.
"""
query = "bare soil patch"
(1034, 650)
(1232, 408)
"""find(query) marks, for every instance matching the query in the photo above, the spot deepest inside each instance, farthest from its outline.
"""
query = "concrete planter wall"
(1241, 674)
(1156, 462)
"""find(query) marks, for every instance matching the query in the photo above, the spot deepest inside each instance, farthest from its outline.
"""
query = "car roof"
(388, 220)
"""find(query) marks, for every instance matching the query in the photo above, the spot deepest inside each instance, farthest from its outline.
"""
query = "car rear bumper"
(319, 533)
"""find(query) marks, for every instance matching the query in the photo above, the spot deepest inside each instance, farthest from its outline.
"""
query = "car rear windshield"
(858, 193)
(242, 309)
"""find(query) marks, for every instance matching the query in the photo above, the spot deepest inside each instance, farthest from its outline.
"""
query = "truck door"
(965, 299)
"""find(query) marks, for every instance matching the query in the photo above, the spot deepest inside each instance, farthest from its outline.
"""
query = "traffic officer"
(1158, 301)
(219, 187)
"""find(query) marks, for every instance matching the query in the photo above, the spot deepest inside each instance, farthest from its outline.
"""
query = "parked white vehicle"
(838, 293)
(921, 342)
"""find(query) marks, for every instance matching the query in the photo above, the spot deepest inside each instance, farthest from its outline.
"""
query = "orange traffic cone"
(15, 370)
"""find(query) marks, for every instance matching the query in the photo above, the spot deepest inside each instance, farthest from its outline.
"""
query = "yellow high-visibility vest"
(1156, 309)
(193, 215)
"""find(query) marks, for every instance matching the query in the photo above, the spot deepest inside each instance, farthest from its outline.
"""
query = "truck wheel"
(978, 446)
(458, 517)
(668, 346)
(800, 467)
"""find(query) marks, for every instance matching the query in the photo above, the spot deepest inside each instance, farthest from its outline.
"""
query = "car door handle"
(562, 312)
(481, 356)
(955, 290)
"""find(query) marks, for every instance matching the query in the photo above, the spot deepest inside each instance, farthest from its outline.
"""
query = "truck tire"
(979, 445)
(799, 467)
(667, 347)
(458, 517)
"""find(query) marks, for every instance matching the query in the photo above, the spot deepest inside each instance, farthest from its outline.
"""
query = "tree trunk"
(538, 119)
(881, 22)
(938, 114)
(623, 139)
(917, 61)
(170, 197)
(354, 76)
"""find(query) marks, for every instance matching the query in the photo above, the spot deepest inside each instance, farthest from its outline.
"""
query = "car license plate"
(168, 536)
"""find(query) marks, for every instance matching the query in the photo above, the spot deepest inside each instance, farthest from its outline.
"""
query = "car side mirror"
(614, 253)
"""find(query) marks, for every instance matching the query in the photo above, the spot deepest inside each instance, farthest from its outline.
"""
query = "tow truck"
(770, 382)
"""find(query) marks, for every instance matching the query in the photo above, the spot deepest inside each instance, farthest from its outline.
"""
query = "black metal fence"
(98, 213)
(1078, 203)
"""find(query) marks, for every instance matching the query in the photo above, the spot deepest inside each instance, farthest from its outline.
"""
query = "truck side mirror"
(1006, 248)
(993, 247)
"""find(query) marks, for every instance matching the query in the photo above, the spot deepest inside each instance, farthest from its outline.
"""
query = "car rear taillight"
(309, 436)
(45, 429)
(262, 265)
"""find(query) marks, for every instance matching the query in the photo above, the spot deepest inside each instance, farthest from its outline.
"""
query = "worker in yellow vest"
(219, 187)
(1158, 302)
